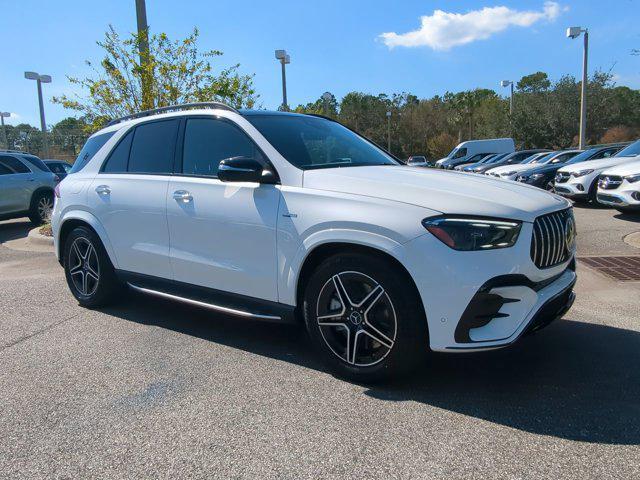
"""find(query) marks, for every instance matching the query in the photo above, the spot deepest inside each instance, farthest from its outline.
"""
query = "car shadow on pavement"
(629, 217)
(15, 229)
(573, 380)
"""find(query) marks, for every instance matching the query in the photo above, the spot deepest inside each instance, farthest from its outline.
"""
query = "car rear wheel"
(364, 318)
(41, 207)
(88, 270)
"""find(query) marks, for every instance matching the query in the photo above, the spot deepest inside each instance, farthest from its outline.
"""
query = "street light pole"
(4, 129)
(507, 83)
(40, 79)
(143, 52)
(574, 32)
(284, 58)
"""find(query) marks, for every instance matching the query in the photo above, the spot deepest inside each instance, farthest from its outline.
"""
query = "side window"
(207, 141)
(13, 164)
(607, 153)
(119, 157)
(4, 170)
(90, 148)
(460, 153)
(153, 147)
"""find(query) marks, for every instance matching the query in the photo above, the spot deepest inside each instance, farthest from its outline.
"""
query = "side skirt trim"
(210, 306)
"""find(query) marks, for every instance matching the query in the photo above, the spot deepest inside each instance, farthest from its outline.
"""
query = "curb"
(36, 238)
(633, 239)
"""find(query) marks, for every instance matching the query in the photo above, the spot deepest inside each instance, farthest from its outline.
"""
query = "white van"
(473, 150)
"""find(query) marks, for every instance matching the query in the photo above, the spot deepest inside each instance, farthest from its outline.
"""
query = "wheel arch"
(325, 250)
(85, 219)
(38, 191)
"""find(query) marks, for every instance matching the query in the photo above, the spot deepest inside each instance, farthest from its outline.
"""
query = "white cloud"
(444, 30)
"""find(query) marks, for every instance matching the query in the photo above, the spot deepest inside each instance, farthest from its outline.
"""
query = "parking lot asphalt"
(152, 389)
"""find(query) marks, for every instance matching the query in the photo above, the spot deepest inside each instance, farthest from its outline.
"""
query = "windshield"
(540, 159)
(312, 142)
(630, 150)
(487, 159)
(497, 158)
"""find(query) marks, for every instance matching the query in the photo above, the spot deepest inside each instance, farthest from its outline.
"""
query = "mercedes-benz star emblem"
(570, 233)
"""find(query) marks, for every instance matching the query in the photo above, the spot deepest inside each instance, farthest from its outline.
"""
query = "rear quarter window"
(90, 148)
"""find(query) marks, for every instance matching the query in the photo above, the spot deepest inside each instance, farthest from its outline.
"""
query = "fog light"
(636, 196)
(580, 187)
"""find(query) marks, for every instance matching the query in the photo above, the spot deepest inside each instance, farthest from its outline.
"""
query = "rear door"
(16, 186)
(223, 235)
(129, 197)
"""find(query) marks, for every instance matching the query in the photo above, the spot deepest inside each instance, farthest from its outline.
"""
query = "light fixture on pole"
(573, 33)
(4, 115)
(40, 79)
(389, 131)
(507, 83)
(284, 58)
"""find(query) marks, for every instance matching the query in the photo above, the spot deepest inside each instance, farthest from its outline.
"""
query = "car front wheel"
(364, 318)
(41, 208)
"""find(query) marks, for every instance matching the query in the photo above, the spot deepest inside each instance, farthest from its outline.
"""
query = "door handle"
(182, 196)
(103, 190)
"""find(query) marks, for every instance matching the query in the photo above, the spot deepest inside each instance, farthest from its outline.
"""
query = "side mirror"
(243, 169)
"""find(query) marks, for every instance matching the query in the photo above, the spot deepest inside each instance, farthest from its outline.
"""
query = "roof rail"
(173, 108)
(2, 150)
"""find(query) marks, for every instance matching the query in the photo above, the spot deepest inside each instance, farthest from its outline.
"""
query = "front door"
(223, 235)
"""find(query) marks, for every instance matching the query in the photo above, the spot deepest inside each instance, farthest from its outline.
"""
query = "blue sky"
(335, 45)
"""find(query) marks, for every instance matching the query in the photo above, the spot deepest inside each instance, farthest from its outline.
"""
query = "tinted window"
(630, 150)
(13, 164)
(119, 157)
(563, 157)
(90, 148)
(56, 167)
(153, 147)
(312, 142)
(4, 170)
(35, 162)
(207, 141)
(460, 153)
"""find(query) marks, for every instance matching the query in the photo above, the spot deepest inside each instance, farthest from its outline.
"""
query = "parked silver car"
(26, 187)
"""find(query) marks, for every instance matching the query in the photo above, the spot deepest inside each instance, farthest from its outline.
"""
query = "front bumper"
(576, 187)
(620, 197)
(450, 283)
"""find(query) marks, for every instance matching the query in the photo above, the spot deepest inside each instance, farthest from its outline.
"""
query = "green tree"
(534, 83)
(179, 73)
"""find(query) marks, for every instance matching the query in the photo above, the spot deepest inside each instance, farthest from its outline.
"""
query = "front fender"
(93, 222)
(288, 280)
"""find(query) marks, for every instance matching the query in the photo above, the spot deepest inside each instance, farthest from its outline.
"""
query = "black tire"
(88, 270)
(402, 325)
(40, 208)
(593, 192)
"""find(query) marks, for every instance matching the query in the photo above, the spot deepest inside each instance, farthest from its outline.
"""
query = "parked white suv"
(275, 216)
(619, 187)
(580, 181)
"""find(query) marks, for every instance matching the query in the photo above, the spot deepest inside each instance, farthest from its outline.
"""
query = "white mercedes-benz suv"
(278, 216)
(619, 187)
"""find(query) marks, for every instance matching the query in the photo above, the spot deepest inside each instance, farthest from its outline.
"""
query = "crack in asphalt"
(34, 334)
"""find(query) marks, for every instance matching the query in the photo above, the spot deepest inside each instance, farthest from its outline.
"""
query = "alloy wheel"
(356, 318)
(45, 207)
(84, 268)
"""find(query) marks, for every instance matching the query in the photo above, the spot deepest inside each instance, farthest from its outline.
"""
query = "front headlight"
(468, 233)
(632, 178)
(582, 173)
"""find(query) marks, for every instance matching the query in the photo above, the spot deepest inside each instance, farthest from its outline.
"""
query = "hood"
(544, 168)
(510, 168)
(598, 164)
(485, 167)
(629, 168)
(447, 192)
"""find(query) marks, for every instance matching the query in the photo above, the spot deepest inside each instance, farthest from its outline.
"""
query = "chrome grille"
(609, 182)
(562, 177)
(553, 238)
